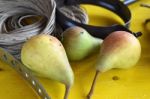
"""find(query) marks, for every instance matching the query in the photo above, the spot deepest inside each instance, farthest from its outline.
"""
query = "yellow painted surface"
(132, 84)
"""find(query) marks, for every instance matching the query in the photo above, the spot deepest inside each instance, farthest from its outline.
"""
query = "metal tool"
(145, 5)
(147, 20)
(102, 32)
(24, 72)
(127, 2)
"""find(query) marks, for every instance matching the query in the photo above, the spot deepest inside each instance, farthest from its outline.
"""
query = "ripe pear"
(78, 43)
(119, 50)
(45, 56)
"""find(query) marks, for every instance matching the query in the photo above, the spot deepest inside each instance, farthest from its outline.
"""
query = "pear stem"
(93, 85)
(67, 92)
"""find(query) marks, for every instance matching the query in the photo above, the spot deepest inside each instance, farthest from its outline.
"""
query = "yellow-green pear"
(119, 50)
(45, 55)
(78, 43)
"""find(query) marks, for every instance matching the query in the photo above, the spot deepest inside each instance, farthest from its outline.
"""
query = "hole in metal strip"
(33, 82)
(26, 75)
(40, 91)
(45, 98)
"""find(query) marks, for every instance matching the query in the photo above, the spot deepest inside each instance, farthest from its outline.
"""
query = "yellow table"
(131, 84)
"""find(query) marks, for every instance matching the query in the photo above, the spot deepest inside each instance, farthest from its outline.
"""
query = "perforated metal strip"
(24, 72)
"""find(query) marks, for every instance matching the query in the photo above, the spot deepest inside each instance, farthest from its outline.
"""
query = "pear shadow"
(83, 78)
(83, 70)
(85, 64)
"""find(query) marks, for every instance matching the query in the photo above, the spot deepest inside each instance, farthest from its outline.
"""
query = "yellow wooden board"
(131, 84)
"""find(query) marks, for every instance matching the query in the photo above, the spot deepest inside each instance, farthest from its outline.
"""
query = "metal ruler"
(24, 72)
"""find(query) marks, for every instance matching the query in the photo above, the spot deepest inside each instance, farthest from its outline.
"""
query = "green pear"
(78, 43)
(45, 56)
(119, 50)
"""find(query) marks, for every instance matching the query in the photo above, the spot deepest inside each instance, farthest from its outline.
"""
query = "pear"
(78, 43)
(121, 50)
(45, 56)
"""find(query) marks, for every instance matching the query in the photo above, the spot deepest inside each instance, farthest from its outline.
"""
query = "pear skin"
(45, 55)
(119, 50)
(79, 44)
